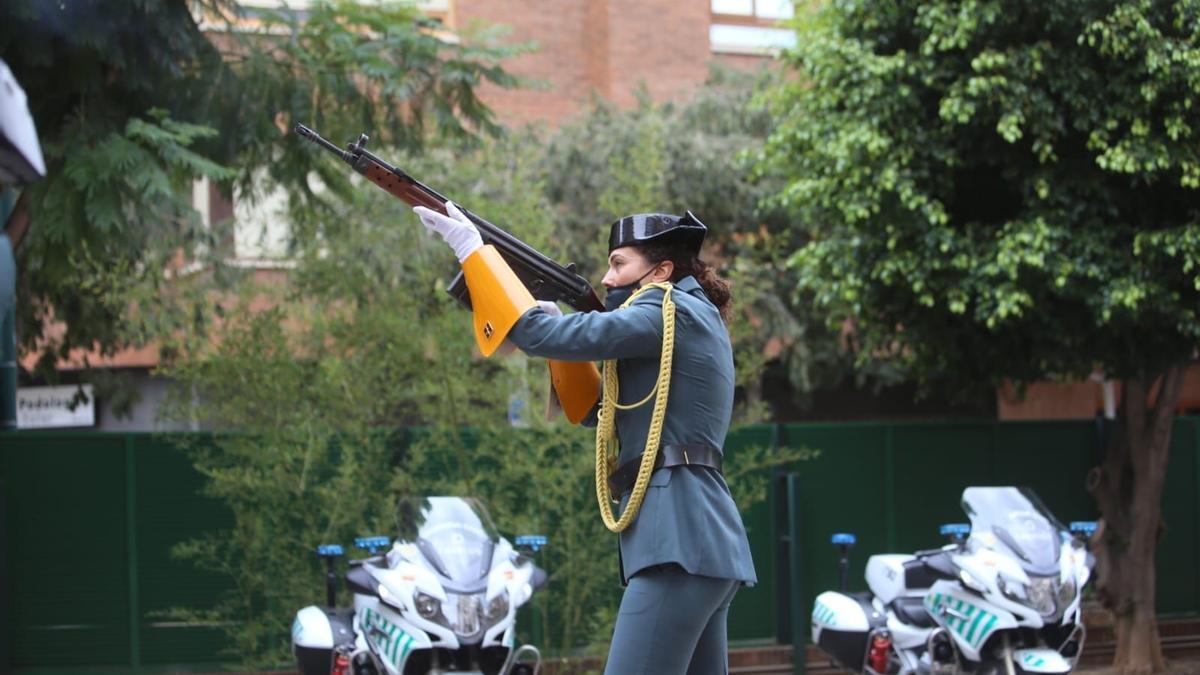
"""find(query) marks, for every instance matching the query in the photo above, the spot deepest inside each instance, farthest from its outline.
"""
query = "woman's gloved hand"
(456, 229)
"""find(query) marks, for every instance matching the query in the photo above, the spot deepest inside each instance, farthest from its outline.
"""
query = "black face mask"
(617, 295)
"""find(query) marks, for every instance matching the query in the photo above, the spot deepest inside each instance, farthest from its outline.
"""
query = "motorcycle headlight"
(1066, 593)
(1041, 595)
(469, 611)
(427, 605)
(497, 608)
(1015, 591)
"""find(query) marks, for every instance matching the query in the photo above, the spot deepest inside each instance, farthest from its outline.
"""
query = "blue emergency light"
(329, 550)
(954, 530)
(531, 541)
(372, 544)
(1085, 527)
(843, 539)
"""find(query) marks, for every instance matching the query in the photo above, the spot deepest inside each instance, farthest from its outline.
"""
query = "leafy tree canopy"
(1011, 189)
(999, 189)
(134, 100)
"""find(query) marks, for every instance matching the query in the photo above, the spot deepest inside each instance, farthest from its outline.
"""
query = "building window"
(751, 26)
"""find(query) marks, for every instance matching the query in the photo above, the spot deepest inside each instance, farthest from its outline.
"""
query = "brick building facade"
(611, 48)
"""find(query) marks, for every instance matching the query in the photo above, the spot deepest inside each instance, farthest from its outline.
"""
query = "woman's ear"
(663, 272)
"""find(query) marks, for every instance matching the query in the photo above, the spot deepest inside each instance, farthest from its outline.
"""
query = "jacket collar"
(689, 284)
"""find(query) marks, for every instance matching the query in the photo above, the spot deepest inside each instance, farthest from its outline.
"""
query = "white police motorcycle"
(1002, 599)
(442, 599)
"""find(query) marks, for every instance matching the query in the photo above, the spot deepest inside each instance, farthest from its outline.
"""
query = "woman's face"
(626, 265)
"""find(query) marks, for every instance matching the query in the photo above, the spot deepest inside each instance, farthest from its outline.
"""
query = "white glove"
(456, 229)
(549, 308)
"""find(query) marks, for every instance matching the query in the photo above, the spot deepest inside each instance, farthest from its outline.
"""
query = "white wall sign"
(50, 407)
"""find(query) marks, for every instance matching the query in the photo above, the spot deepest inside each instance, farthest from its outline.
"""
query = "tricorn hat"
(655, 228)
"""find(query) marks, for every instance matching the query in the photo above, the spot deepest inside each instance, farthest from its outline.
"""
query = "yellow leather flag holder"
(498, 299)
(577, 386)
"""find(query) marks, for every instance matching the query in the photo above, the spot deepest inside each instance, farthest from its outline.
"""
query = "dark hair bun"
(688, 264)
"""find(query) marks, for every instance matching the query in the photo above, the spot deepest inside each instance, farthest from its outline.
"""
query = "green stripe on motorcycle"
(972, 612)
(394, 643)
(407, 645)
(987, 627)
(823, 614)
(955, 622)
(974, 625)
(968, 615)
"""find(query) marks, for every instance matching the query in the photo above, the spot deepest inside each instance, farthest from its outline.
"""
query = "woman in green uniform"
(684, 552)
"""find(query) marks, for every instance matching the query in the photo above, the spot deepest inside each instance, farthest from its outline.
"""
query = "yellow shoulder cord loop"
(606, 451)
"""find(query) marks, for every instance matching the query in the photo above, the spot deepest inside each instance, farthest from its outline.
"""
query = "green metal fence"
(89, 521)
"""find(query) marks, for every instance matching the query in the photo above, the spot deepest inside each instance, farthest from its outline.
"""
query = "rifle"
(545, 278)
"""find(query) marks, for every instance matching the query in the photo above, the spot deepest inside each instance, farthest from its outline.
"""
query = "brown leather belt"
(669, 455)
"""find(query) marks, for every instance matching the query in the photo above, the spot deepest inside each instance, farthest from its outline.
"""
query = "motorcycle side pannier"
(315, 632)
(842, 625)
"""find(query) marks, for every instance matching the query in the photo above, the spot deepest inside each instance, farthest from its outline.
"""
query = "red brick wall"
(1080, 400)
(560, 62)
(662, 44)
(605, 48)
(1050, 400)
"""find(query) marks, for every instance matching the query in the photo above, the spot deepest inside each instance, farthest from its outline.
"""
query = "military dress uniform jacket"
(688, 516)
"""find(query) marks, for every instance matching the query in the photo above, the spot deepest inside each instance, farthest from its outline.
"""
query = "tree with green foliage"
(135, 100)
(1010, 190)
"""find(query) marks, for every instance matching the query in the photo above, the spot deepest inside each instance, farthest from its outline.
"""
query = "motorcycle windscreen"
(454, 534)
(1020, 521)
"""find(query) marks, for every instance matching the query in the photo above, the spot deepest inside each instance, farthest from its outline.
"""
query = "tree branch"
(1134, 395)
(1163, 414)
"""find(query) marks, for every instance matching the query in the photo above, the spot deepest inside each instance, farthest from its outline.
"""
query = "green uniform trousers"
(672, 623)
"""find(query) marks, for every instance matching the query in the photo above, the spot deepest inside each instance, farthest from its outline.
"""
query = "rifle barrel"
(313, 136)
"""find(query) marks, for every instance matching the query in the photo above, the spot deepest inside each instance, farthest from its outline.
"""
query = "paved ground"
(1173, 668)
